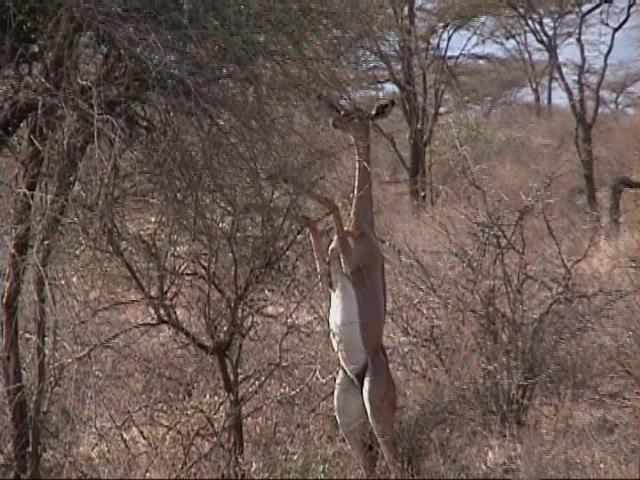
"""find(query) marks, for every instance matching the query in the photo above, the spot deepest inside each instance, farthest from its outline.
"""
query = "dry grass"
(582, 422)
(146, 404)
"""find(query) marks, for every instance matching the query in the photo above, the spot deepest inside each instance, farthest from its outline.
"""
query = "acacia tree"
(34, 123)
(488, 84)
(584, 92)
(83, 84)
(516, 43)
(416, 57)
(206, 265)
(620, 87)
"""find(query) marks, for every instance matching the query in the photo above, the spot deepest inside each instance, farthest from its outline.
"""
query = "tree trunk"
(417, 167)
(26, 182)
(41, 375)
(234, 414)
(237, 429)
(65, 179)
(537, 100)
(430, 186)
(584, 145)
(550, 89)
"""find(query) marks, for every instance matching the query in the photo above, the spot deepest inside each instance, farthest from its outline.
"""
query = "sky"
(626, 46)
(625, 53)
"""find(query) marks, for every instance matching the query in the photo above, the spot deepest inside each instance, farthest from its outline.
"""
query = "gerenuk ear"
(382, 110)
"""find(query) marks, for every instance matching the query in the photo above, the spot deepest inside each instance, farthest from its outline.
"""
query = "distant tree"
(620, 87)
(581, 81)
(516, 43)
(489, 83)
(416, 56)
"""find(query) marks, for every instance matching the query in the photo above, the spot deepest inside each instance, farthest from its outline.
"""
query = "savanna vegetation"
(161, 312)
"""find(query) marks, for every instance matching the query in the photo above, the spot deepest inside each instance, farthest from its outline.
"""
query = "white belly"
(345, 326)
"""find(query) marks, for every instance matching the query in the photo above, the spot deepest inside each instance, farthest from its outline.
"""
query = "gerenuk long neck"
(362, 208)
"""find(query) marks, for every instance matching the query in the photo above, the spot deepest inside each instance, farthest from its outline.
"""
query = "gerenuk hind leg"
(353, 421)
(379, 395)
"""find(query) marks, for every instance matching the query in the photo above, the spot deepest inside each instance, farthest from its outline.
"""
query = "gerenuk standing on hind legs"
(352, 268)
